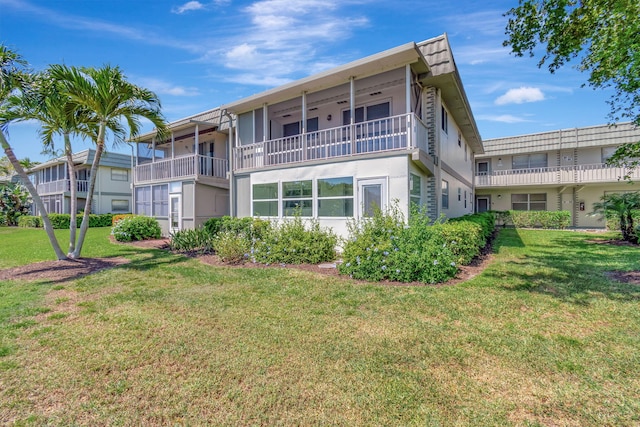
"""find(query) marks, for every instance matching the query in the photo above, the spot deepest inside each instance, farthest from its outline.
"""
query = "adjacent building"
(183, 180)
(559, 170)
(112, 192)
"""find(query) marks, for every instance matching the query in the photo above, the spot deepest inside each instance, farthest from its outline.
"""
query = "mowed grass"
(542, 337)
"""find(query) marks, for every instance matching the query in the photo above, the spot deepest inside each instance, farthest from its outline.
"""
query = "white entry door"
(174, 213)
(372, 195)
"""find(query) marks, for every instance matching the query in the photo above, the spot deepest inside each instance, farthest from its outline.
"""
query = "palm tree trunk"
(34, 194)
(73, 190)
(92, 182)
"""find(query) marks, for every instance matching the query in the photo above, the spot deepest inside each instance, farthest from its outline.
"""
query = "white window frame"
(318, 198)
(118, 174)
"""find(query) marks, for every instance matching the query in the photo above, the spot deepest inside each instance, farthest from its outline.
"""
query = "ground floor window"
(265, 199)
(297, 198)
(529, 202)
(324, 197)
(415, 189)
(445, 194)
(143, 201)
(119, 205)
(161, 200)
(335, 197)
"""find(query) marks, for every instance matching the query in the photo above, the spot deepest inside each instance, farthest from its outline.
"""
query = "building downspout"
(232, 144)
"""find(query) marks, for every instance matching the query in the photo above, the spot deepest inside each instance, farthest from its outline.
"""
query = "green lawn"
(542, 337)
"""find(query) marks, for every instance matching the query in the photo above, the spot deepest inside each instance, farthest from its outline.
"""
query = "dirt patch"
(144, 244)
(632, 277)
(60, 271)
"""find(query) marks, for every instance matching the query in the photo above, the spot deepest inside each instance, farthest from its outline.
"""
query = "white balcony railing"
(61, 186)
(193, 166)
(560, 175)
(402, 132)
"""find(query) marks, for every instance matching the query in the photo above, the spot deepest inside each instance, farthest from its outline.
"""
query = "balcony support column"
(304, 126)
(153, 156)
(173, 153)
(196, 142)
(352, 113)
(265, 122)
(407, 95)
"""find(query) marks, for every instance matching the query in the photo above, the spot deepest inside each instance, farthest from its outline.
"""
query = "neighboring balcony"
(555, 175)
(200, 168)
(403, 132)
(61, 186)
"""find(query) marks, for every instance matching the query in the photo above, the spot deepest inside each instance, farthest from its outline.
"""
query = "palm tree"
(110, 101)
(623, 207)
(59, 117)
(14, 88)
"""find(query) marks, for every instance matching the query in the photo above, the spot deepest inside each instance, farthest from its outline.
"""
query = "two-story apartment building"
(559, 170)
(183, 180)
(394, 126)
(112, 192)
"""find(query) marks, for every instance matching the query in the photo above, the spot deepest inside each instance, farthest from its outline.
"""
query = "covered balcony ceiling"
(375, 64)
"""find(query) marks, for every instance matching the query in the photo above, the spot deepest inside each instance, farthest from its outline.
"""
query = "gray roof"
(85, 157)
(214, 118)
(592, 136)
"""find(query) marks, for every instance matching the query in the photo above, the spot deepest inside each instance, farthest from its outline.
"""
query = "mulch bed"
(61, 271)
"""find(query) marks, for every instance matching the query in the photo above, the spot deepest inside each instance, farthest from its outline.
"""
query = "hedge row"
(530, 219)
(386, 247)
(237, 240)
(62, 221)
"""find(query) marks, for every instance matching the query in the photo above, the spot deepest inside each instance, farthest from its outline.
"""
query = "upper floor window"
(529, 161)
(483, 168)
(369, 112)
(119, 175)
(445, 120)
(607, 152)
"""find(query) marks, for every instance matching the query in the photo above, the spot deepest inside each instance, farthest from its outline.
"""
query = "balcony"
(403, 132)
(555, 175)
(187, 167)
(61, 186)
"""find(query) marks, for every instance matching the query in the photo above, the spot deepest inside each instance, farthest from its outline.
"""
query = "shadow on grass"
(566, 266)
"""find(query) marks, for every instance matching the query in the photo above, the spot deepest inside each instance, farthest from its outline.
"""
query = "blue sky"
(197, 55)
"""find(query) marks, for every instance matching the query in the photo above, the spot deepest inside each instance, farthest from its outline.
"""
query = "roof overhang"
(374, 64)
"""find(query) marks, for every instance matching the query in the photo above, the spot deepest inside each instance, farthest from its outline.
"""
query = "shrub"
(136, 228)
(117, 217)
(30, 221)
(293, 243)
(254, 228)
(61, 221)
(531, 219)
(3, 221)
(101, 220)
(465, 239)
(198, 239)
(231, 247)
(383, 247)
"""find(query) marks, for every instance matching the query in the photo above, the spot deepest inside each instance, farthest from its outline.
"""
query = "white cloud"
(520, 96)
(503, 118)
(162, 87)
(187, 7)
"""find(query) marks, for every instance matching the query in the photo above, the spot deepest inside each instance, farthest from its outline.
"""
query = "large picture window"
(265, 199)
(335, 197)
(297, 198)
(529, 202)
(370, 112)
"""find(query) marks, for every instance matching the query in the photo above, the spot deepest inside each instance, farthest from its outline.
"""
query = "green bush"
(30, 221)
(198, 239)
(3, 221)
(254, 228)
(465, 239)
(101, 220)
(136, 228)
(292, 242)
(383, 247)
(529, 219)
(231, 247)
(62, 221)
(117, 217)
(613, 222)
